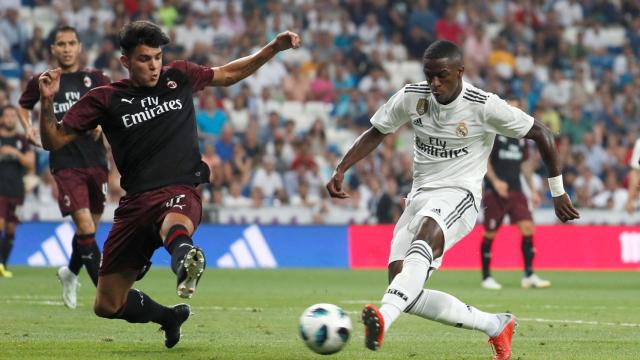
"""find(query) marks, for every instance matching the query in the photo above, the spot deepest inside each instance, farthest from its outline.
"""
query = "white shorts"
(454, 209)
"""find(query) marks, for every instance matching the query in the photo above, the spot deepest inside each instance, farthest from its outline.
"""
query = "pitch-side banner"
(226, 246)
(557, 247)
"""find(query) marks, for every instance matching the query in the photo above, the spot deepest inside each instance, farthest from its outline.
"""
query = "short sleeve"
(100, 78)
(31, 94)
(635, 156)
(391, 115)
(199, 76)
(88, 112)
(504, 119)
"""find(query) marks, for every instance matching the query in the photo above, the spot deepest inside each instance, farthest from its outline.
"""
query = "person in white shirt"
(455, 125)
(634, 177)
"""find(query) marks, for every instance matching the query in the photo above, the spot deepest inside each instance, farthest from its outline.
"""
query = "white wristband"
(555, 186)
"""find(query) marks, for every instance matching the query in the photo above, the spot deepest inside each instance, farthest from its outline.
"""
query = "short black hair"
(141, 33)
(60, 29)
(6, 107)
(441, 49)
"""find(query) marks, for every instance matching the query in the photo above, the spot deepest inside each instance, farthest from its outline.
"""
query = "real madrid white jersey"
(452, 142)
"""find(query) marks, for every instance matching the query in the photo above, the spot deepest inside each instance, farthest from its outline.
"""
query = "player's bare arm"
(546, 144)
(363, 145)
(27, 160)
(54, 136)
(239, 69)
(501, 187)
(31, 133)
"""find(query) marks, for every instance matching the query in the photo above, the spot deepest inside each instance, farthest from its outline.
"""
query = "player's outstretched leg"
(373, 327)
(501, 343)
(449, 310)
(140, 308)
(187, 261)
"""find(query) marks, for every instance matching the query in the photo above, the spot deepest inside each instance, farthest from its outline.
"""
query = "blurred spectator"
(225, 143)
(15, 32)
(211, 118)
(268, 180)
(613, 196)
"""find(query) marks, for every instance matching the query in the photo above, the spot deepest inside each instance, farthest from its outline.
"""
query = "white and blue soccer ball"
(325, 328)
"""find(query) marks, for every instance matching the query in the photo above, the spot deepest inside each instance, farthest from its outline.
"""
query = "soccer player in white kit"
(455, 125)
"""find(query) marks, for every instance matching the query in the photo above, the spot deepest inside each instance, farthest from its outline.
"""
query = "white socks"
(407, 285)
(406, 293)
(447, 309)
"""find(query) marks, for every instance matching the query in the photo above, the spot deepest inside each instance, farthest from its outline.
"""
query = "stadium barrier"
(571, 247)
(356, 246)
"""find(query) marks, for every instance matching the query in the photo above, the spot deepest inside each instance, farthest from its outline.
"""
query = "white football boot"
(534, 281)
(491, 284)
(69, 283)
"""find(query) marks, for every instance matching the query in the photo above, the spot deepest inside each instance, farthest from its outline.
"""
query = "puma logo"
(127, 100)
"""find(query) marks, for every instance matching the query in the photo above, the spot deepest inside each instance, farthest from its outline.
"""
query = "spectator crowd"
(274, 139)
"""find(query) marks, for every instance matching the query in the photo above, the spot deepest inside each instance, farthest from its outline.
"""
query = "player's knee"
(488, 236)
(83, 220)
(526, 228)
(431, 232)
(105, 309)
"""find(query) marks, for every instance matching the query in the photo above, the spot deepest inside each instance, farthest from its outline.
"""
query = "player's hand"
(49, 82)
(502, 188)
(287, 40)
(535, 199)
(32, 136)
(9, 150)
(564, 208)
(334, 186)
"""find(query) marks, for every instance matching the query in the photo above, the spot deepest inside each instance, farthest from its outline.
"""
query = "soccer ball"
(325, 328)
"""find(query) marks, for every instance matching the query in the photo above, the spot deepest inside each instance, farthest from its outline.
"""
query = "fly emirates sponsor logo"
(152, 108)
(438, 148)
(70, 97)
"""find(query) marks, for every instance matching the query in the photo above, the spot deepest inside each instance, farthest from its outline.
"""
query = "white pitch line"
(579, 322)
(34, 302)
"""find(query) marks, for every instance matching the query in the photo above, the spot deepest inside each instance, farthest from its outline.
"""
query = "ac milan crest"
(172, 84)
(87, 81)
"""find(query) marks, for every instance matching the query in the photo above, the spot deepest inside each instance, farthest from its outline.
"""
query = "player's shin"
(407, 285)
(7, 246)
(447, 309)
(140, 308)
(528, 253)
(89, 255)
(75, 262)
(178, 243)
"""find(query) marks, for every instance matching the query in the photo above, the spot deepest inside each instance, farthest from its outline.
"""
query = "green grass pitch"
(249, 314)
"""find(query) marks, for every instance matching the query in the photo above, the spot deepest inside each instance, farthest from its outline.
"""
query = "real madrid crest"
(461, 129)
(422, 106)
(87, 81)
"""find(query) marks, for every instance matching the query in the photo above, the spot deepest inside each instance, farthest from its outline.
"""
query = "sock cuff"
(85, 239)
(175, 232)
(420, 248)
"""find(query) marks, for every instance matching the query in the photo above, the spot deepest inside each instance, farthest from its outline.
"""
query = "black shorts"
(8, 208)
(135, 234)
(496, 207)
(81, 188)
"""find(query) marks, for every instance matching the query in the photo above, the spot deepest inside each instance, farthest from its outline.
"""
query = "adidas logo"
(417, 122)
(55, 250)
(250, 251)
